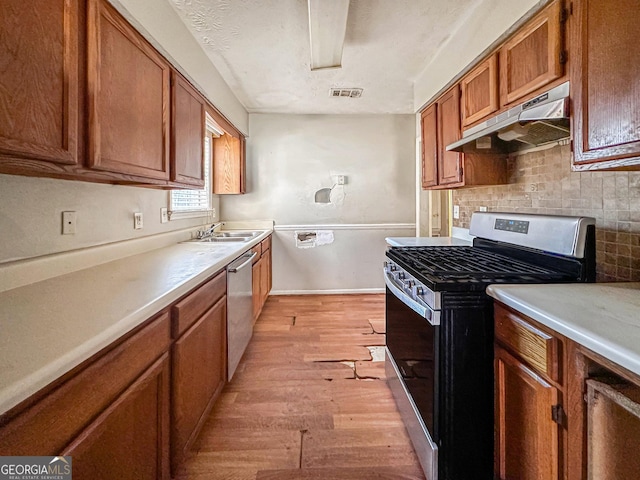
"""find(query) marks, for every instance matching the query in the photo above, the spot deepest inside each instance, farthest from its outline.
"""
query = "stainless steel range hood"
(539, 121)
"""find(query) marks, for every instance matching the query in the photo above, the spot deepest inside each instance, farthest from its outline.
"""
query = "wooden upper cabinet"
(449, 163)
(187, 133)
(229, 164)
(39, 86)
(429, 129)
(532, 57)
(605, 84)
(128, 94)
(479, 91)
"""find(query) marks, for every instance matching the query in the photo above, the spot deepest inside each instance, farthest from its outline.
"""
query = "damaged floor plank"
(294, 411)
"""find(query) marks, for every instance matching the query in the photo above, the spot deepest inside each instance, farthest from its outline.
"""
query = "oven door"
(412, 374)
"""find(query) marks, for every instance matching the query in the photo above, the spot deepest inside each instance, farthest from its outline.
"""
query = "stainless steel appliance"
(439, 327)
(539, 121)
(239, 309)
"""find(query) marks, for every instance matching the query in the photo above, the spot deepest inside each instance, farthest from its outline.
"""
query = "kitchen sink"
(229, 237)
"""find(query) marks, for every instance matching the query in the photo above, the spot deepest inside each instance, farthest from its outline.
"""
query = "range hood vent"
(539, 121)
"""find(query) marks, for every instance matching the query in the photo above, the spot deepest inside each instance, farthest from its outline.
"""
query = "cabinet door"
(39, 80)
(228, 165)
(198, 375)
(531, 58)
(605, 83)
(429, 129)
(265, 276)
(187, 133)
(527, 437)
(449, 163)
(128, 86)
(256, 279)
(129, 440)
(479, 91)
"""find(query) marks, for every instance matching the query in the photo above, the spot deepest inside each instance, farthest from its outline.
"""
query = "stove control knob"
(392, 267)
(401, 275)
(419, 291)
(409, 283)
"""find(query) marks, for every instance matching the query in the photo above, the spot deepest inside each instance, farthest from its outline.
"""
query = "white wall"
(31, 215)
(290, 157)
(171, 36)
(483, 26)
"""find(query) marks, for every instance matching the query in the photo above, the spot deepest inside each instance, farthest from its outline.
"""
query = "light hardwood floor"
(307, 401)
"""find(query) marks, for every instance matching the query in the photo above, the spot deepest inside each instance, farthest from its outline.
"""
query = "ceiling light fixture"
(327, 29)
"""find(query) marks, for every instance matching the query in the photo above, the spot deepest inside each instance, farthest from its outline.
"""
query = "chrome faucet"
(207, 232)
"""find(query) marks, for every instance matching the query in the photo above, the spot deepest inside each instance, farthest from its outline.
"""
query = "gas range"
(440, 328)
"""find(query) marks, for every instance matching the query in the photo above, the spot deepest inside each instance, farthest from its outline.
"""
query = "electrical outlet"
(482, 209)
(69, 223)
(137, 221)
(456, 211)
(341, 179)
(164, 215)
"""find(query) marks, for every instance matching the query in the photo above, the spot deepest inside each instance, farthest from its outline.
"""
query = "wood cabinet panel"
(265, 276)
(613, 413)
(198, 375)
(228, 168)
(479, 91)
(188, 310)
(187, 133)
(527, 440)
(429, 129)
(256, 283)
(532, 57)
(538, 349)
(128, 91)
(605, 85)
(449, 163)
(39, 85)
(65, 411)
(130, 439)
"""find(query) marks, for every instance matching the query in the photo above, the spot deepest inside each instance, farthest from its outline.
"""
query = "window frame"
(212, 130)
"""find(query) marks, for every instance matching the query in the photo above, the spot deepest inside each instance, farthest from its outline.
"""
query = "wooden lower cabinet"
(527, 437)
(529, 416)
(262, 278)
(198, 374)
(129, 440)
(111, 414)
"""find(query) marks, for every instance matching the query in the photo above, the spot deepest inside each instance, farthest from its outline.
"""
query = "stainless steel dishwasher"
(239, 309)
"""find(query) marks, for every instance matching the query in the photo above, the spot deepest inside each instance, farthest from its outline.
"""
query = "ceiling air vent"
(346, 92)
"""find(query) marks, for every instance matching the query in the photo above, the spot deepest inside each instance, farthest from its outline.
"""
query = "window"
(197, 203)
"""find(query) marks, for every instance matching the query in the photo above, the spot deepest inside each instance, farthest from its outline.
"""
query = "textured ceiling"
(261, 48)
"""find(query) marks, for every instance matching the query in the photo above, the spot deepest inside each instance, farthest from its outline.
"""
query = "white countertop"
(426, 241)
(51, 326)
(604, 317)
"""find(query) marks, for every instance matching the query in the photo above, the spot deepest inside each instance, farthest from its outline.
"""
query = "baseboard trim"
(345, 291)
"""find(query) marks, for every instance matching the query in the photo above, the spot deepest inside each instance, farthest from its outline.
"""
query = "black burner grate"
(442, 266)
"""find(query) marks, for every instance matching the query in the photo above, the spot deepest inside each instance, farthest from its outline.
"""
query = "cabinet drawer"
(50, 424)
(257, 249)
(190, 308)
(266, 244)
(537, 348)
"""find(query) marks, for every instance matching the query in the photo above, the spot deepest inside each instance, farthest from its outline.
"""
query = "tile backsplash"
(542, 182)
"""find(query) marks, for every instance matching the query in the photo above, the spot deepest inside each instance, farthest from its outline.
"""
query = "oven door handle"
(421, 308)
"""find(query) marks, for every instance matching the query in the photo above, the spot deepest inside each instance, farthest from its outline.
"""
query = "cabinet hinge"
(557, 414)
(564, 14)
(563, 56)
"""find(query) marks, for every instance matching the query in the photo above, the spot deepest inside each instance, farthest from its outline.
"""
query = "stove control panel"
(412, 287)
(517, 226)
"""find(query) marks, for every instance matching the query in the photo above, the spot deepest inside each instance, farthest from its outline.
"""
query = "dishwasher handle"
(249, 258)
